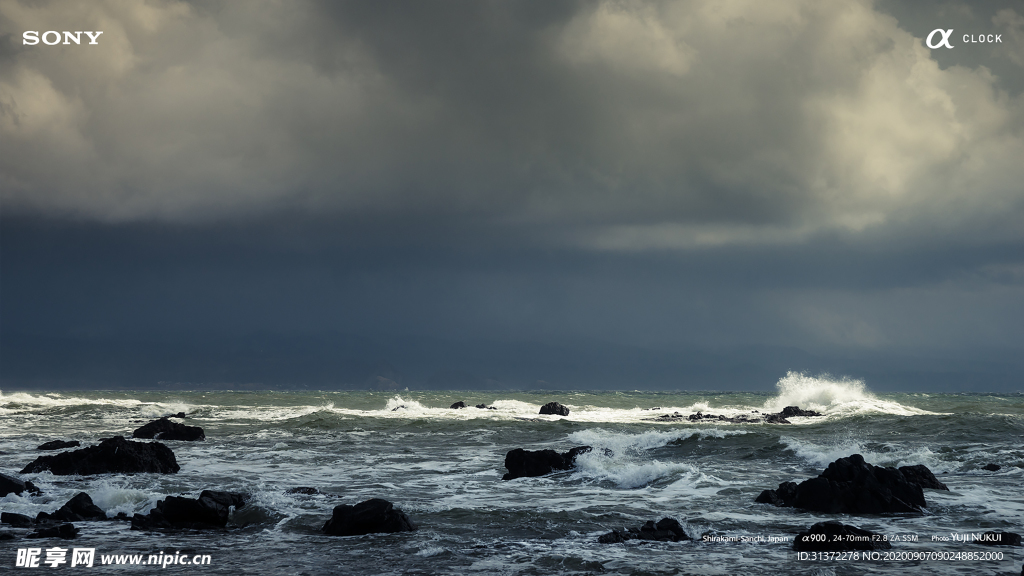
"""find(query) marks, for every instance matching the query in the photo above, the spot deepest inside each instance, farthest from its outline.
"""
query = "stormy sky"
(697, 195)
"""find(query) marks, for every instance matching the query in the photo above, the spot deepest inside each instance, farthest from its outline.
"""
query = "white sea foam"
(832, 397)
(821, 455)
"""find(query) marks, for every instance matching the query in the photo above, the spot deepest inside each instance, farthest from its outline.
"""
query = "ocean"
(443, 467)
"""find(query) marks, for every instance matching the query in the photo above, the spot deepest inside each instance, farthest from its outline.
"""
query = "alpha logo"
(945, 38)
(968, 38)
(52, 37)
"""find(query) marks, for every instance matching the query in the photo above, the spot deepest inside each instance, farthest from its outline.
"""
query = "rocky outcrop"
(209, 511)
(665, 530)
(64, 531)
(776, 418)
(485, 407)
(368, 517)
(920, 474)
(16, 520)
(457, 405)
(554, 408)
(999, 538)
(852, 486)
(992, 467)
(79, 508)
(12, 485)
(59, 445)
(791, 411)
(539, 462)
(114, 455)
(164, 429)
(838, 537)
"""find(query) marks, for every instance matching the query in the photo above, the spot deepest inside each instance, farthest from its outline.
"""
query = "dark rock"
(1000, 538)
(59, 444)
(991, 467)
(11, 485)
(16, 520)
(369, 517)
(852, 486)
(539, 462)
(920, 474)
(210, 510)
(790, 411)
(6, 536)
(666, 530)
(164, 429)
(303, 490)
(178, 415)
(65, 531)
(839, 537)
(115, 455)
(554, 408)
(776, 419)
(77, 509)
(457, 405)
(485, 407)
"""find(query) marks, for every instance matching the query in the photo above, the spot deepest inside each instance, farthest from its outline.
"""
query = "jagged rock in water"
(554, 408)
(539, 462)
(59, 445)
(790, 411)
(79, 508)
(457, 405)
(16, 520)
(839, 537)
(665, 530)
(852, 486)
(114, 455)
(12, 485)
(64, 531)
(164, 429)
(920, 474)
(991, 467)
(210, 510)
(368, 517)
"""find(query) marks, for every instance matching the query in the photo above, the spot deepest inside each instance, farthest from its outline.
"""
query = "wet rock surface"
(114, 455)
(522, 463)
(368, 517)
(665, 530)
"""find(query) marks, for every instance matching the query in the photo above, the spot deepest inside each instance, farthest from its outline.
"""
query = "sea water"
(443, 467)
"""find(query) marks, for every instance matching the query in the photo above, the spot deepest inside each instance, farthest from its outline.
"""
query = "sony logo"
(32, 37)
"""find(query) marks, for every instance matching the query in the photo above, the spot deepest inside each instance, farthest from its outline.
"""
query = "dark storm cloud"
(793, 173)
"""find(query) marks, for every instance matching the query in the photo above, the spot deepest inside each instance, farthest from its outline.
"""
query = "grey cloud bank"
(692, 180)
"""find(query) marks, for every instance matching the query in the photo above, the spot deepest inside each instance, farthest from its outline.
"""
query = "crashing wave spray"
(832, 396)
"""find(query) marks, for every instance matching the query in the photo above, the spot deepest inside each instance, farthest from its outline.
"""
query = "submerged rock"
(852, 486)
(991, 467)
(80, 507)
(12, 485)
(836, 536)
(554, 408)
(16, 520)
(164, 429)
(210, 510)
(539, 462)
(665, 530)
(485, 407)
(64, 531)
(115, 455)
(59, 444)
(1000, 538)
(369, 517)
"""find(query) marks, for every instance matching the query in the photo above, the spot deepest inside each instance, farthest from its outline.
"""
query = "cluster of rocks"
(550, 408)
(461, 404)
(113, 455)
(522, 463)
(12, 485)
(164, 429)
(769, 418)
(665, 530)
(852, 486)
(210, 510)
(57, 524)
